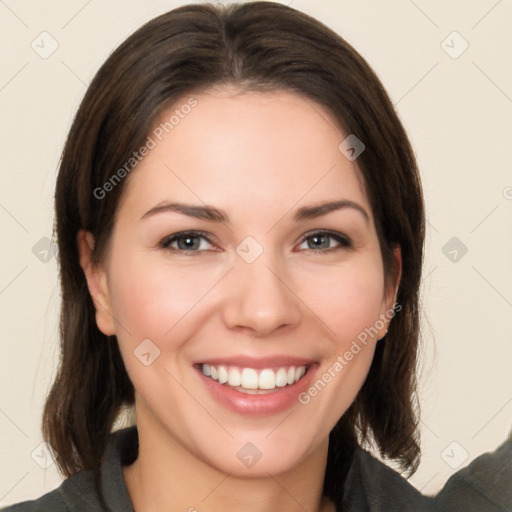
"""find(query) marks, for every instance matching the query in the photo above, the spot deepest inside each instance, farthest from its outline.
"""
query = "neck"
(166, 476)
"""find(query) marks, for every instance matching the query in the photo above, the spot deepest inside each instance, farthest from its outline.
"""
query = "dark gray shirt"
(371, 486)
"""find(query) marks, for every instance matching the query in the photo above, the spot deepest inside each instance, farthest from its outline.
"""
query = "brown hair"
(258, 45)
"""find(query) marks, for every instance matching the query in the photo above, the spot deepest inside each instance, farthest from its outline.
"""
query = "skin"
(259, 157)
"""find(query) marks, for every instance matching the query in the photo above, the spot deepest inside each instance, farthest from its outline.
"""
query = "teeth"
(223, 374)
(267, 379)
(234, 379)
(281, 378)
(249, 378)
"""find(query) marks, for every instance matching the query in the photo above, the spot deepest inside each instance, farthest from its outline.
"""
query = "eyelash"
(345, 242)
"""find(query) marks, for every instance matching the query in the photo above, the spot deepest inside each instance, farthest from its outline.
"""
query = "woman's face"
(262, 284)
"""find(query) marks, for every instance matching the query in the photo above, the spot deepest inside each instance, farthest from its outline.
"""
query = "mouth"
(253, 381)
(256, 387)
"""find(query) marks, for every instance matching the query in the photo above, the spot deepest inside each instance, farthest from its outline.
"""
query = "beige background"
(458, 113)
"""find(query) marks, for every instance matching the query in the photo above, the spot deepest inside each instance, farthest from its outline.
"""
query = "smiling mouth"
(254, 381)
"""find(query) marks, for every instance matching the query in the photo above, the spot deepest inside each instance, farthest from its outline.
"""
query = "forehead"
(250, 149)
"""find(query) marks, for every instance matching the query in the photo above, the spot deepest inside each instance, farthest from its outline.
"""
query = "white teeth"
(223, 374)
(281, 378)
(267, 379)
(234, 377)
(249, 379)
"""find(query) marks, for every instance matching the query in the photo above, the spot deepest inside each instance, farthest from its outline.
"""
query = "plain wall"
(458, 114)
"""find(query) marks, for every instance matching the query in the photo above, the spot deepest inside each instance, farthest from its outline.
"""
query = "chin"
(256, 454)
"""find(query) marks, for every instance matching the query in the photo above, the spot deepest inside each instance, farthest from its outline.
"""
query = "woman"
(240, 225)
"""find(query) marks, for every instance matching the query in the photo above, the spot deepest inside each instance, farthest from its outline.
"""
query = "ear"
(96, 282)
(390, 297)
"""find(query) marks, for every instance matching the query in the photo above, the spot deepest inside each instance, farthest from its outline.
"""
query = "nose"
(260, 298)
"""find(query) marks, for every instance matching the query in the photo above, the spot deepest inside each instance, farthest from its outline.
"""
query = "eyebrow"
(213, 214)
(199, 212)
(314, 211)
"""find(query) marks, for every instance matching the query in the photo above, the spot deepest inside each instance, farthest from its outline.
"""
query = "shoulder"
(76, 493)
(371, 485)
(485, 485)
(79, 493)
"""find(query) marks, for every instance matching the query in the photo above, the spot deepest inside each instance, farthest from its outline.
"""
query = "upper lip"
(257, 362)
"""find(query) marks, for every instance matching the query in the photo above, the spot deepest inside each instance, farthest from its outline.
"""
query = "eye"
(188, 241)
(321, 241)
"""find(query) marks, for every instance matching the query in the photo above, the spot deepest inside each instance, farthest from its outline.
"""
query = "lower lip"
(258, 405)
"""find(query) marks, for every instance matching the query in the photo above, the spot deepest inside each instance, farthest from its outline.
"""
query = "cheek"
(158, 303)
(348, 298)
(149, 300)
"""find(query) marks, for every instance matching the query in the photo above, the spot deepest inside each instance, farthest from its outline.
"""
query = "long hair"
(255, 46)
